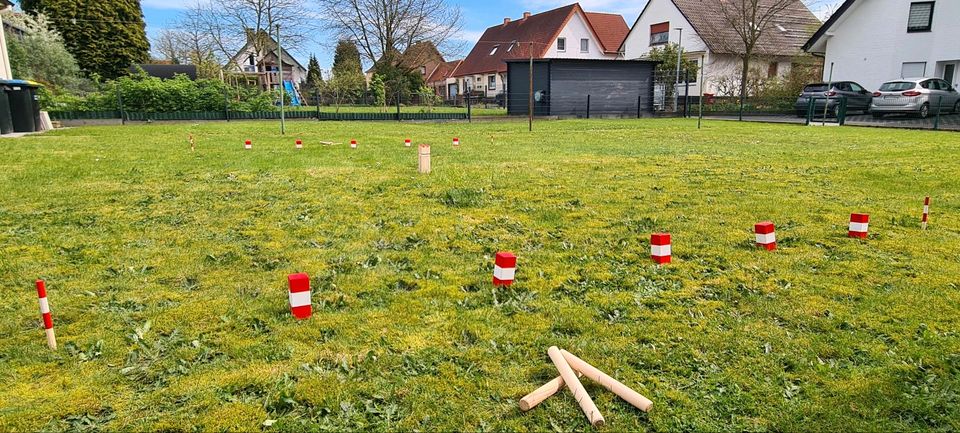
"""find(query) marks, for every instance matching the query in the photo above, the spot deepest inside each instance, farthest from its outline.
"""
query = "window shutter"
(920, 16)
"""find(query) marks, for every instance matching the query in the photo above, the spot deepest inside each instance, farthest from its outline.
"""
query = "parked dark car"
(858, 98)
(920, 96)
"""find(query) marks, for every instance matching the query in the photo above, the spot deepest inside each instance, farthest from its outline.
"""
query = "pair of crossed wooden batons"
(566, 363)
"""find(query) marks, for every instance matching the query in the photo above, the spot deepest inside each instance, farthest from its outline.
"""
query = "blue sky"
(161, 14)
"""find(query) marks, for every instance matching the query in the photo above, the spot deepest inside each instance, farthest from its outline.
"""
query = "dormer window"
(494, 50)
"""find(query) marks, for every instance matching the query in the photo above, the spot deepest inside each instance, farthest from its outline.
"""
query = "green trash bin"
(6, 122)
(24, 105)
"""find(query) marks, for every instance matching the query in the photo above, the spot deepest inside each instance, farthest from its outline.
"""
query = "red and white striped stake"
(300, 305)
(504, 268)
(248, 145)
(926, 212)
(766, 235)
(299, 144)
(45, 313)
(660, 249)
(456, 142)
(407, 143)
(859, 225)
(353, 144)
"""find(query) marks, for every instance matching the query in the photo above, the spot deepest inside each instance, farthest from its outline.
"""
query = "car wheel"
(836, 111)
(924, 111)
(956, 108)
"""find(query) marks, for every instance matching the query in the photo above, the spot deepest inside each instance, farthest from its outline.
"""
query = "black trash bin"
(6, 122)
(24, 105)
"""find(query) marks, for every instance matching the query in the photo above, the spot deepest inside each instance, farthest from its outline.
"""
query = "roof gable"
(826, 26)
(516, 39)
(610, 29)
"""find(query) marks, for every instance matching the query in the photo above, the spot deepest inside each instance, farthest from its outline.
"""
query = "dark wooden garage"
(562, 87)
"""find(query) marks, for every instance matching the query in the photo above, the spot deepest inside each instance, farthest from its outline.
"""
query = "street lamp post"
(679, 56)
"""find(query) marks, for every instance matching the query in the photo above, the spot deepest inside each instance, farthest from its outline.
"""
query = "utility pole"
(282, 93)
(701, 84)
(530, 104)
(676, 98)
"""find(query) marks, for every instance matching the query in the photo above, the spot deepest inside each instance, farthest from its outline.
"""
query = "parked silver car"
(920, 96)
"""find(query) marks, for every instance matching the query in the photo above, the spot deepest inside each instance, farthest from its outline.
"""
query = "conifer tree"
(105, 36)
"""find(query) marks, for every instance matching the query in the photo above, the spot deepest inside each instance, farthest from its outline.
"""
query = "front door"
(949, 71)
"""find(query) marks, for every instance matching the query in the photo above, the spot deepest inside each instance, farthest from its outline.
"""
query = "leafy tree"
(401, 81)
(379, 90)
(40, 55)
(666, 71)
(347, 66)
(106, 37)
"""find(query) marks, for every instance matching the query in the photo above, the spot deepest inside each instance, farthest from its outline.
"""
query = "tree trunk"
(743, 82)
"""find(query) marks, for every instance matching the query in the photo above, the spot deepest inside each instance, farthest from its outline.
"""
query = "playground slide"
(292, 91)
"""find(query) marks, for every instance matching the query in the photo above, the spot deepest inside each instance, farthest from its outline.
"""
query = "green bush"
(142, 93)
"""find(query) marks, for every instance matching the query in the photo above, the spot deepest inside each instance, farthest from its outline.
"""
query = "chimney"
(506, 21)
(526, 15)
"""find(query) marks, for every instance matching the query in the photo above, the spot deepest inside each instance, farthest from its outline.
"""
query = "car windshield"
(820, 87)
(896, 86)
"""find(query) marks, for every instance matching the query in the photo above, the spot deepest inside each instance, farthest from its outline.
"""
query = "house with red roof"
(567, 32)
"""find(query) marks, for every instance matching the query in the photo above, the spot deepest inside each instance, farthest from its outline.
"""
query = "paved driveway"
(947, 122)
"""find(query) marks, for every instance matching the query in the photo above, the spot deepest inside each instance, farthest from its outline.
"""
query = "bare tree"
(387, 27)
(744, 27)
(227, 25)
(167, 46)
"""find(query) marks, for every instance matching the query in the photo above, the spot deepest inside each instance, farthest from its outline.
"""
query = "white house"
(705, 33)
(873, 41)
(565, 32)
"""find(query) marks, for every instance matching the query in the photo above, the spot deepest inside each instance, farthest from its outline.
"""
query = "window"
(584, 45)
(854, 87)
(913, 69)
(423, 70)
(492, 82)
(772, 69)
(693, 77)
(494, 50)
(659, 33)
(512, 44)
(561, 44)
(929, 84)
(921, 17)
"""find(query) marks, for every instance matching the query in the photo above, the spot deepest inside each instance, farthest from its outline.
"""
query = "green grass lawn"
(166, 274)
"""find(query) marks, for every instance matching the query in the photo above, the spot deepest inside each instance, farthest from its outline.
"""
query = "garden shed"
(582, 87)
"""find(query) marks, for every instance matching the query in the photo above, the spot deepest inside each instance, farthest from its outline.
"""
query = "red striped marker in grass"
(660, 249)
(407, 143)
(766, 235)
(45, 313)
(300, 305)
(299, 144)
(456, 142)
(504, 268)
(248, 145)
(859, 225)
(353, 144)
(926, 212)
